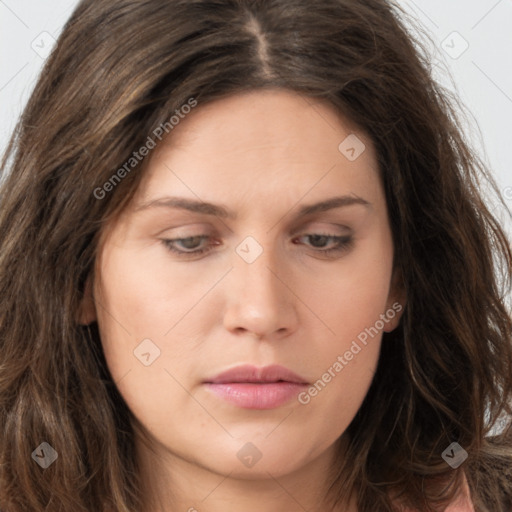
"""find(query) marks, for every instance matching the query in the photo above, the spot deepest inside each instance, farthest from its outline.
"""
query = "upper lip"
(249, 373)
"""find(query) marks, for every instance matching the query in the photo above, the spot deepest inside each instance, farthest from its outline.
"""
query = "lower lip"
(257, 396)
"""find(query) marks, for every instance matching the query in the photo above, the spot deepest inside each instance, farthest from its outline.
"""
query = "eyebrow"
(220, 211)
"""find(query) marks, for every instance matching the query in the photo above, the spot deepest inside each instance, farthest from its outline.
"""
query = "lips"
(253, 374)
(250, 387)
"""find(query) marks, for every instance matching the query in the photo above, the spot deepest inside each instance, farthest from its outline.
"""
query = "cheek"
(352, 294)
(346, 361)
(140, 299)
(143, 294)
(350, 303)
(350, 378)
(127, 308)
(138, 305)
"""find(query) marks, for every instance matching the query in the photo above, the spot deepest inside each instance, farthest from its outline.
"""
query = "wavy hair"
(120, 69)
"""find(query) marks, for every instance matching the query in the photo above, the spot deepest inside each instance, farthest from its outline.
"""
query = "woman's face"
(278, 271)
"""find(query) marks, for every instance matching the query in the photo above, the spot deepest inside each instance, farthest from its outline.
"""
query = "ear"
(87, 313)
(396, 302)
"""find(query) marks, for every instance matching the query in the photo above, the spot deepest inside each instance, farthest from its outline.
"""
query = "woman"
(246, 265)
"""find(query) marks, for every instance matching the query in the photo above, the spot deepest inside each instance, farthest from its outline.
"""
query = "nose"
(260, 299)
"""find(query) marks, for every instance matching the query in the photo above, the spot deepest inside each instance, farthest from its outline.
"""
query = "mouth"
(250, 387)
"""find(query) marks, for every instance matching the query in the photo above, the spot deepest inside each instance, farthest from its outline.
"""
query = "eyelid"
(304, 226)
(316, 226)
(190, 229)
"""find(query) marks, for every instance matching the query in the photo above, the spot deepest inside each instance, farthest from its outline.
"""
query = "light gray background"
(482, 73)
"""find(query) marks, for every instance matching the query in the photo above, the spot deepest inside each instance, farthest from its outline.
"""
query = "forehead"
(262, 119)
(262, 142)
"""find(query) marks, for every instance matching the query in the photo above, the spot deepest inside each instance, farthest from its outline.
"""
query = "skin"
(262, 155)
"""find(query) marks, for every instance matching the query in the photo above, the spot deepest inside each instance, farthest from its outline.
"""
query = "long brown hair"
(119, 71)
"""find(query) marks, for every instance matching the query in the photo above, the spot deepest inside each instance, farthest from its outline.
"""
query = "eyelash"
(344, 243)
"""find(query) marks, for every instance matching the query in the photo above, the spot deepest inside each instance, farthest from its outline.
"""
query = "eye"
(325, 244)
(191, 245)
